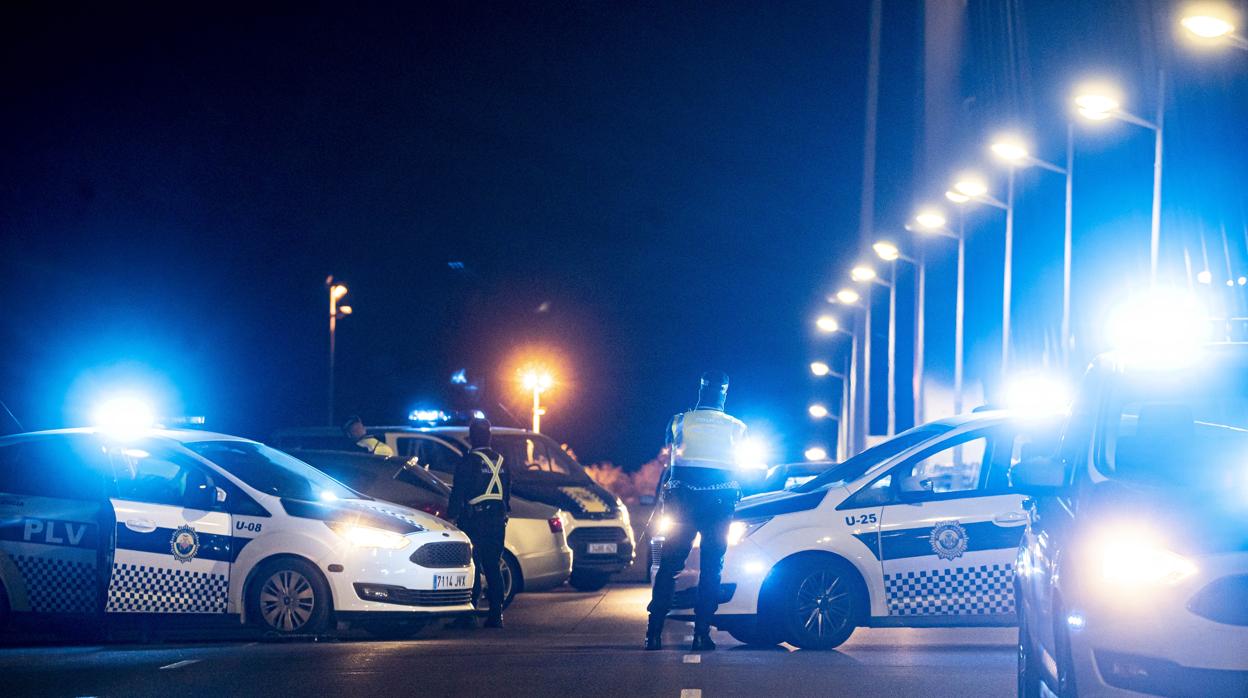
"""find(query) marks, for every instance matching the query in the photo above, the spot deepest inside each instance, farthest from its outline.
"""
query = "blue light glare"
(427, 415)
(460, 377)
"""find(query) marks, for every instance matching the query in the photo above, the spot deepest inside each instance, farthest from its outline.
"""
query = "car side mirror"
(1041, 476)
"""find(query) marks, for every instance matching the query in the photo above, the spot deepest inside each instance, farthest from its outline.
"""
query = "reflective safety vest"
(706, 439)
(494, 490)
(375, 446)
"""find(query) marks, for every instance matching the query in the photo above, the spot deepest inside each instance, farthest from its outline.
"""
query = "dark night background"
(678, 181)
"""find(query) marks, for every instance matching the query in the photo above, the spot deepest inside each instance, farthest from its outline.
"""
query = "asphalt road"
(557, 643)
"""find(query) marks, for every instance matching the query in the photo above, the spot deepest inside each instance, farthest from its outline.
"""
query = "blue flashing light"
(424, 415)
(460, 377)
(125, 416)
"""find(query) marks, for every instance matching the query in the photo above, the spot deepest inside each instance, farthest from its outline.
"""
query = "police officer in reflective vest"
(699, 496)
(480, 502)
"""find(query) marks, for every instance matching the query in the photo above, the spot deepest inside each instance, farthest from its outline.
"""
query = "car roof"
(183, 436)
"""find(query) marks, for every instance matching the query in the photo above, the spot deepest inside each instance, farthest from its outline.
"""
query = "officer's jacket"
(375, 446)
(481, 476)
(705, 438)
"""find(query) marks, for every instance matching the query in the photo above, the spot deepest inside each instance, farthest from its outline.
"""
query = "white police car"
(920, 530)
(190, 522)
(1133, 573)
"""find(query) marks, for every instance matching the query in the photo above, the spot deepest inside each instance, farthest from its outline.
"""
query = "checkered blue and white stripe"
(962, 591)
(148, 589)
(55, 585)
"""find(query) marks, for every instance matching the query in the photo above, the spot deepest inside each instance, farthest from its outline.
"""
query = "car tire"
(1030, 673)
(818, 603)
(588, 581)
(288, 596)
(754, 631)
(512, 581)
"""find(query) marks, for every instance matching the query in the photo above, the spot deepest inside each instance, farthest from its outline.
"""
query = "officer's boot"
(495, 619)
(702, 640)
(654, 635)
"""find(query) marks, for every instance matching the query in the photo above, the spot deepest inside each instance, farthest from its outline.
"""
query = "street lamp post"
(538, 381)
(850, 438)
(336, 292)
(865, 274)
(1209, 25)
(1100, 103)
(933, 222)
(1012, 151)
(971, 187)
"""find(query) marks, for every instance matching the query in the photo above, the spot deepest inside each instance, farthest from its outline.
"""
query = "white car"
(1133, 573)
(921, 530)
(190, 522)
(596, 522)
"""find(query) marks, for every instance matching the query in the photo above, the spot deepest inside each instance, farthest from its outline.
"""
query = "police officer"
(699, 496)
(480, 502)
(354, 429)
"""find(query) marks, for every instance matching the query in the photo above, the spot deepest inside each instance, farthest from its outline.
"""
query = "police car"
(190, 522)
(920, 530)
(595, 521)
(1133, 572)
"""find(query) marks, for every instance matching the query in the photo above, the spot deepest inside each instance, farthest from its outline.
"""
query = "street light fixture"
(886, 251)
(538, 381)
(862, 273)
(970, 187)
(1099, 102)
(827, 324)
(817, 410)
(848, 296)
(336, 293)
(1211, 24)
(820, 368)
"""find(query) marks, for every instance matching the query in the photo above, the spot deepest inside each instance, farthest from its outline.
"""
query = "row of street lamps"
(1096, 102)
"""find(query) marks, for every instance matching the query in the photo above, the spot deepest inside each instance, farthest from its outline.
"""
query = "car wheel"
(819, 604)
(753, 631)
(289, 597)
(510, 570)
(588, 581)
(1029, 671)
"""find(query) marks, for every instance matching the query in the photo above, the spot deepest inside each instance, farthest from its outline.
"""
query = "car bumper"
(1156, 644)
(375, 580)
(584, 536)
(545, 570)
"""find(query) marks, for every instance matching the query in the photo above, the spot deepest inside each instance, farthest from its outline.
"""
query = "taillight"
(556, 524)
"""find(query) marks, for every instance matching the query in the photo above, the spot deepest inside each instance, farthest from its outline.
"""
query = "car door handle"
(1010, 518)
(140, 525)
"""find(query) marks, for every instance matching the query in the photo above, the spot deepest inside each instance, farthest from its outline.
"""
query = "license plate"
(602, 548)
(450, 581)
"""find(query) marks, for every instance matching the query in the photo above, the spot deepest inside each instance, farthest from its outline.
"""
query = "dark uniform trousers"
(708, 512)
(486, 526)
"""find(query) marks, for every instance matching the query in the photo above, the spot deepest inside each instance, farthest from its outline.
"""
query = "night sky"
(674, 181)
(636, 192)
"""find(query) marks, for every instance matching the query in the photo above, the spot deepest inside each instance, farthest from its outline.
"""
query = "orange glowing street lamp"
(537, 381)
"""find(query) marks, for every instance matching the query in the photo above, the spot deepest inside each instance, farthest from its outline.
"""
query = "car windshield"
(272, 472)
(851, 469)
(536, 456)
(1190, 427)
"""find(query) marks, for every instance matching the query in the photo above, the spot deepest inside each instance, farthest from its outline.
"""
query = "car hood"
(581, 500)
(1170, 513)
(367, 512)
(782, 502)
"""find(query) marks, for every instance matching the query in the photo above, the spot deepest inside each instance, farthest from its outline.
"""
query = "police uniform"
(375, 446)
(699, 496)
(480, 502)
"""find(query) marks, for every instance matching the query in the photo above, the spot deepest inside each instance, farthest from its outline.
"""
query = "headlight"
(369, 537)
(738, 530)
(664, 525)
(1131, 562)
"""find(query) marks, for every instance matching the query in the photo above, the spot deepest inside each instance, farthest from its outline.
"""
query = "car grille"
(437, 555)
(1224, 600)
(418, 597)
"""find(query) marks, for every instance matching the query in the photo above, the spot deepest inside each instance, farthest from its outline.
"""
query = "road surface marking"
(179, 665)
(690, 693)
(693, 659)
